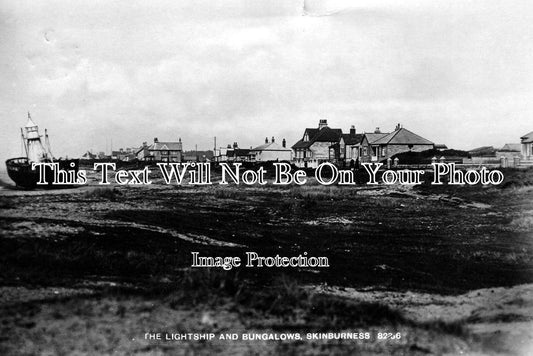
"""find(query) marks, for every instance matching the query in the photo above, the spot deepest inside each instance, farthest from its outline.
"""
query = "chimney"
(229, 146)
(377, 130)
(145, 144)
(283, 143)
(322, 123)
(272, 139)
(352, 131)
(156, 140)
(266, 139)
(235, 145)
(398, 127)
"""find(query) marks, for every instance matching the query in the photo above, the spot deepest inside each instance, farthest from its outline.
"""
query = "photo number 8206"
(389, 336)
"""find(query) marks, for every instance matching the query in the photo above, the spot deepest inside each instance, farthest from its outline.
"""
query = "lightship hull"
(20, 171)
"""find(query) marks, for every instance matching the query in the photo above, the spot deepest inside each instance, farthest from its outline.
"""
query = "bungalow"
(382, 146)
(169, 151)
(317, 145)
(514, 147)
(527, 145)
(272, 151)
(367, 151)
(509, 151)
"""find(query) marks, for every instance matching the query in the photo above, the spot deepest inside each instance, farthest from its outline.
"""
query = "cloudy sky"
(456, 72)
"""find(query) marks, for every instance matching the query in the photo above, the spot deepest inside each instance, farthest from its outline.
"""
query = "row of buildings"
(317, 145)
(123, 154)
(269, 151)
(325, 144)
(522, 151)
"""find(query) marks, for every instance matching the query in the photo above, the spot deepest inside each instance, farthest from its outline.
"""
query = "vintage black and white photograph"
(266, 177)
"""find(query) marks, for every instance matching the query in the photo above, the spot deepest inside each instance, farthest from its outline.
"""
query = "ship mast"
(47, 145)
(24, 141)
(35, 150)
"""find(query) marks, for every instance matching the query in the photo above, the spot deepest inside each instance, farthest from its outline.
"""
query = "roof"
(30, 122)
(511, 147)
(311, 132)
(402, 137)
(165, 146)
(89, 155)
(527, 138)
(328, 135)
(483, 151)
(302, 144)
(352, 140)
(325, 134)
(372, 136)
(272, 146)
(482, 148)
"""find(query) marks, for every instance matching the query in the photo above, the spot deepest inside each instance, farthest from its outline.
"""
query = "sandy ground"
(502, 318)
(51, 319)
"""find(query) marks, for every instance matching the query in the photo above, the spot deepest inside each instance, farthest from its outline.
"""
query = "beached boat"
(20, 169)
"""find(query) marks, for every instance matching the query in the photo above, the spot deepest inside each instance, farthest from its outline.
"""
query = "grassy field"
(92, 269)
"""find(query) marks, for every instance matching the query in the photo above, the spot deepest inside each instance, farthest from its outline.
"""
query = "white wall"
(263, 156)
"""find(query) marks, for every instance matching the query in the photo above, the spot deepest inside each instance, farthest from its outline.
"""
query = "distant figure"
(352, 164)
(357, 163)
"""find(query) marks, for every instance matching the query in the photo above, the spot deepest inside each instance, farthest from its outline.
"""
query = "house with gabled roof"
(515, 147)
(526, 142)
(379, 146)
(509, 151)
(272, 151)
(317, 145)
(159, 151)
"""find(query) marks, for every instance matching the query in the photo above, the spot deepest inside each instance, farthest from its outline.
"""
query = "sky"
(457, 72)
